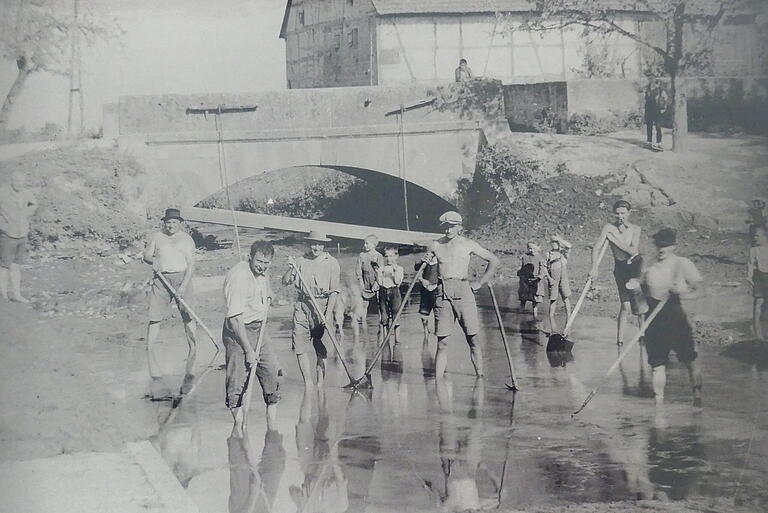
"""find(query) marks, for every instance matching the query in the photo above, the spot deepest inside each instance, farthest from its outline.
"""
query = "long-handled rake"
(321, 316)
(513, 385)
(248, 387)
(560, 342)
(365, 380)
(624, 353)
(189, 310)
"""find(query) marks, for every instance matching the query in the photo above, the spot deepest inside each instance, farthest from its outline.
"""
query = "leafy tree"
(37, 36)
(688, 27)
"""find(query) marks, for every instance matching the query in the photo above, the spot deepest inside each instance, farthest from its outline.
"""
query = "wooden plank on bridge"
(292, 224)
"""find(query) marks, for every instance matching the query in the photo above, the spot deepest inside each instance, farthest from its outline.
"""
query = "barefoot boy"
(17, 205)
(455, 297)
(365, 271)
(557, 278)
(670, 276)
(247, 294)
(532, 275)
(389, 277)
(624, 240)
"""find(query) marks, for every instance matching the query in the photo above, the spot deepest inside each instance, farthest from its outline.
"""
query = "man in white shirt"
(247, 293)
(171, 252)
(670, 276)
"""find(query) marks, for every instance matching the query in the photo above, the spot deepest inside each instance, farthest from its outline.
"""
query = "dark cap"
(172, 213)
(665, 237)
(622, 203)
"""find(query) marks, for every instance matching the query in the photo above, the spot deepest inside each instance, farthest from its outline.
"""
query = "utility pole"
(75, 74)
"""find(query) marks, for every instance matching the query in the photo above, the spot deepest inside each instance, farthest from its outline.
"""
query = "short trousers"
(307, 327)
(558, 284)
(455, 301)
(760, 281)
(623, 272)
(268, 370)
(669, 331)
(389, 303)
(160, 298)
(427, 301)
(12, 250)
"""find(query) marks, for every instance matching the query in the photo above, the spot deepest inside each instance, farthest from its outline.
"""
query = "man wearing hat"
(171, 252)
(670, 276)
(623, 238)
(455, 293)
(322, 274)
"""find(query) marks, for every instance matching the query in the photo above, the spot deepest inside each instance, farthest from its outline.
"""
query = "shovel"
(560, 342)
(365, 380)
(512, 386)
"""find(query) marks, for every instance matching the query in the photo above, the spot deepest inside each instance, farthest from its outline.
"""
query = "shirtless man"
(624, 240)
(170, 252)
(455, 293)
(670, 276)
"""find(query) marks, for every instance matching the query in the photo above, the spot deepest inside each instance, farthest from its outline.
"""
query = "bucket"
(636, 298)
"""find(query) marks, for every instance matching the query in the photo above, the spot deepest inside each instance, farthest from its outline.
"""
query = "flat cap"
(451, 217)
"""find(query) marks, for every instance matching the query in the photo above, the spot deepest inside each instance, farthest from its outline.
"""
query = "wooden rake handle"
(587, 285)
(503, 336)
(648, 320)
(187, 308)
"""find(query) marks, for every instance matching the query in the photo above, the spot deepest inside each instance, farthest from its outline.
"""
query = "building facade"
(332, 43)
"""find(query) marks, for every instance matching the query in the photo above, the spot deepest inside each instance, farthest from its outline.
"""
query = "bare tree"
(689, 28)
(37, 34)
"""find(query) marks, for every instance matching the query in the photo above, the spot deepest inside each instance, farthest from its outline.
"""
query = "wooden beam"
(292, 224)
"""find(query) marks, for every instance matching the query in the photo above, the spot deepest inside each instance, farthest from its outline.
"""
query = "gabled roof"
(385, 7)
(284, 25)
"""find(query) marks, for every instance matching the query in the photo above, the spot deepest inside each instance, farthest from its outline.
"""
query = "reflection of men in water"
(252, 487)
(455, 297)
(324, 488)
(460, 454)
(171, 252)
(624, 240)
(248, 294)
(670, 276)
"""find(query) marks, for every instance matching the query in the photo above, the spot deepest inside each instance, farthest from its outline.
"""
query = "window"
(301, 18)
(353, 38)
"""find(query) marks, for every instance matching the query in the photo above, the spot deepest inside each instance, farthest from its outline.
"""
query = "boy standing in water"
(670, 276)
(532, 273)
(365, 271)
(389, 277)
(557, 278)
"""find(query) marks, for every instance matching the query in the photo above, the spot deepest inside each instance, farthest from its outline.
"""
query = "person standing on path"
(624, 240)
(170, 252)
(248, 294)
(455, 297)
(17, 205)
(670, 276)
(322, 274)
(655, 106)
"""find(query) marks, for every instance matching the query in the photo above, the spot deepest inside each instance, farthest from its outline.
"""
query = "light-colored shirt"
(364, 260)
(391, 276)
(675, 271)
(16, 209)
(322, 274)
(453, 256)
(758, 259)
(171, 251)
(246, 294)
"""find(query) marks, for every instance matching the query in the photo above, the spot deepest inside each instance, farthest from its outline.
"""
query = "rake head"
(364, 382)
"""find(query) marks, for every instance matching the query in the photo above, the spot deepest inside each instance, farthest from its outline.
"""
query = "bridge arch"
(375, 198)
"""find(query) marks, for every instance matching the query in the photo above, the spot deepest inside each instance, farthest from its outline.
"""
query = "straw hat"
(318, 236)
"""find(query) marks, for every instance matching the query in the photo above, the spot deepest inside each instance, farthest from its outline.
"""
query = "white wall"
(424, 48)
(170, 46)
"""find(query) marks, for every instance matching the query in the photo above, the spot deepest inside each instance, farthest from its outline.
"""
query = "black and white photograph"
(383, 256)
